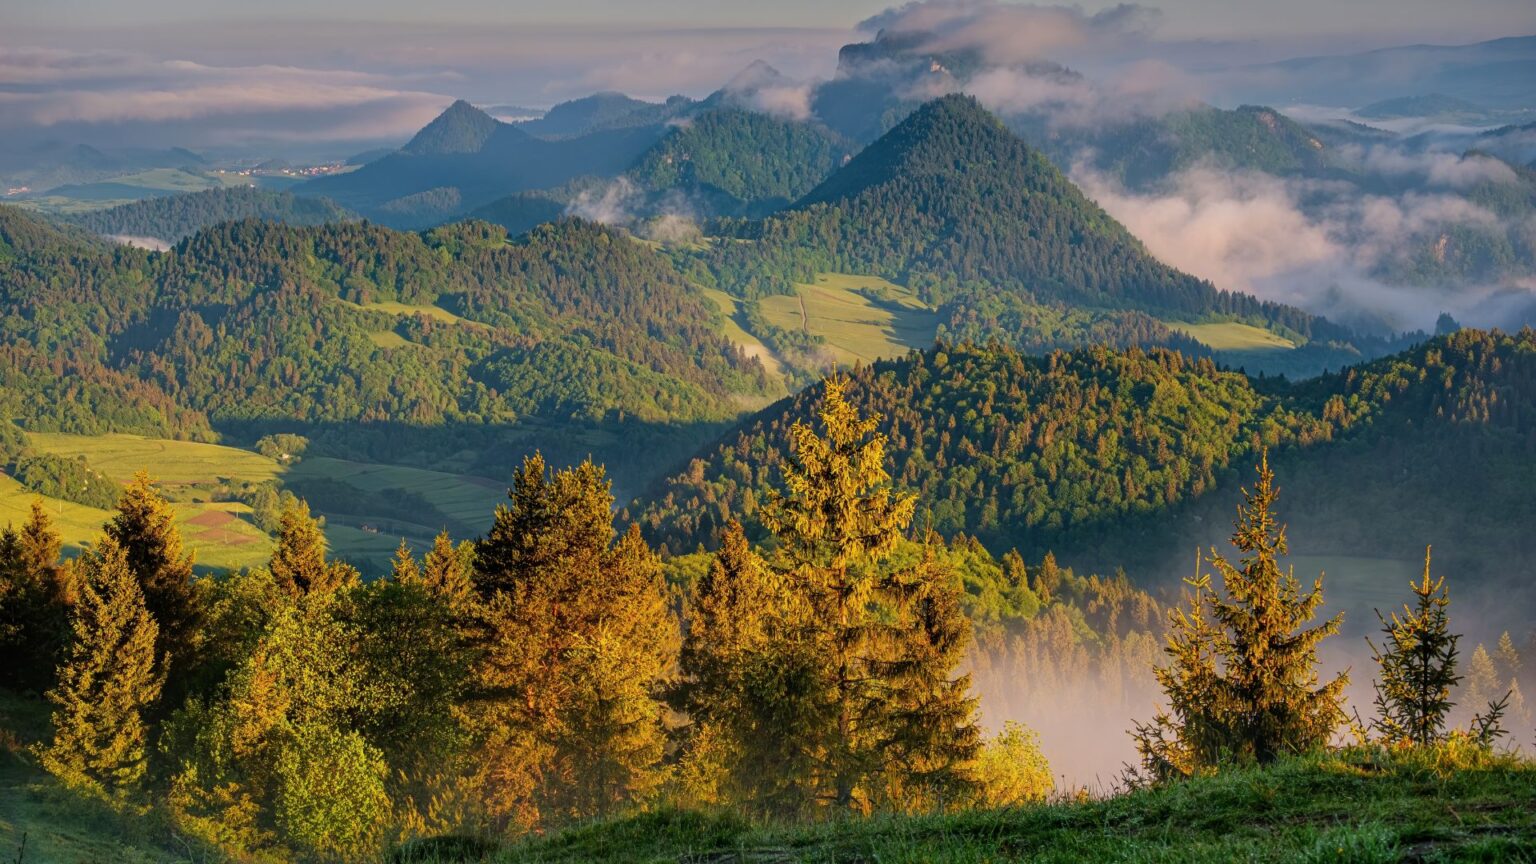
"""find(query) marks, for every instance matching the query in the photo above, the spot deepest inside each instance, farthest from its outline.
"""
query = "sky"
(217, 74)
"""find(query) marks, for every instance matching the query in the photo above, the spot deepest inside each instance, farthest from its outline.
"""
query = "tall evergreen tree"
(1242, 679)
(112, 678)
(577, 635)
(1417, 666)
(298, 564)
(145, 528)
(35, 595)
(836, 522)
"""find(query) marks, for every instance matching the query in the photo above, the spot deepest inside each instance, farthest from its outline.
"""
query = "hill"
(986, 230)
(1352, 806)
(604, 111)
(735, 161)
(434, 349)
(1126, 458)
(174, 217)
(1436, 105)
(465, 158)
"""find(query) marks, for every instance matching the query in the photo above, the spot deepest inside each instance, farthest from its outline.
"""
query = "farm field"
(1233, 336)
(192, 475)
(862, 318)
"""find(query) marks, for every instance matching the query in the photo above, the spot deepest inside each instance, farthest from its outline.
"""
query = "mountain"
(604, 111)
(416, 346)
(461, 128)
(465, 158)
(174, 217)
(1499, 73)
(983, 228)
(1144, 152)
(51, 164)
(1430, 105)
(1129, 458)
(734, 161)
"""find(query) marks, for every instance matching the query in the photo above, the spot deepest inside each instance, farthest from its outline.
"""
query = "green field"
(862, 318)
(437, 313)
(199, 480)
(1232, 336)
(751, 345)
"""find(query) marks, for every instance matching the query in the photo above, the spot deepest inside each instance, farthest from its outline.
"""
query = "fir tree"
(1483, 685)
(35, 596)
(298, 564)
(836, 522)
(577, 635)
(1418, 666)
(111, 679)
(145, 528)
(1242, 680)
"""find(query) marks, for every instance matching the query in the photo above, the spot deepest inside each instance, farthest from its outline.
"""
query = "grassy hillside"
(863, 318)
(1234, 336)
(1360, 806)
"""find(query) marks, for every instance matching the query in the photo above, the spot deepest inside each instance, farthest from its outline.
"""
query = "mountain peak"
(939, 134)
(461, 128)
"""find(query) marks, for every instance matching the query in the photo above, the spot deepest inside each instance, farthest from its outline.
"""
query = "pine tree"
(578, 635)
(298, 564)
(111, 679)
(1242, 679)
(1507, 658)
(35, 596)
(145, 528)
(1418, 666)
(836, 521)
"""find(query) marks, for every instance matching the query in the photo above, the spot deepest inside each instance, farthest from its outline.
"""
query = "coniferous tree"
(1483, 685)
(298, 564)
(1418, 666)
(1242, 679)
(145, 528)
(836, 522)
(578, 635)
(35, 596)
(111, 679)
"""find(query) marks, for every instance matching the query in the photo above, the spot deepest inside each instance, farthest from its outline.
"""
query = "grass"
(389, 339)
(436, 313)
(198, 478)
(751, 345)
(1359, 806)
(1232, 336)
(861, 318)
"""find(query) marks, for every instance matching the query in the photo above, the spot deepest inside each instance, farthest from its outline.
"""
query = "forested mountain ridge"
(1079, 451)
(173, 217)
(258, 323)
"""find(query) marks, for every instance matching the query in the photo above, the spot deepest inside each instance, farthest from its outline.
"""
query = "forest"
(558, 669)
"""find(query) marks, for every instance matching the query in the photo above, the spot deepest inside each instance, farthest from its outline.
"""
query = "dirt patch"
(225, 537)
(212, 519)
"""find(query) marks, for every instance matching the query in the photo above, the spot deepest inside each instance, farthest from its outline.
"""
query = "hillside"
(174, 217)
(1354, 806)
(465, 158)
(384, 345)
(1126, 457)
(737, 161)
(986, 230)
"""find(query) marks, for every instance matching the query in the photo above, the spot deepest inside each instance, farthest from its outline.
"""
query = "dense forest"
(174, 217)
(250, 327)
(558, 670)
(1087, 452)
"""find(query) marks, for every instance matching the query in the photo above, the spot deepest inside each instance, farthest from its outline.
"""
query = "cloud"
(760, 87)
(50, 88)
(612, 203)
(1326, 247)
(1012, 33)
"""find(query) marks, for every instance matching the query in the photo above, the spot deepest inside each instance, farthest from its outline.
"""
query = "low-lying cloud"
(1013, 33)
(1325, 246)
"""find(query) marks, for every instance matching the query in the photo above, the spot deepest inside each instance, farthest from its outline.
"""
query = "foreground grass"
(1360, 806)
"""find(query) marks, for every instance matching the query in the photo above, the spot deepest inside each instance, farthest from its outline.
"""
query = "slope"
(174, 217)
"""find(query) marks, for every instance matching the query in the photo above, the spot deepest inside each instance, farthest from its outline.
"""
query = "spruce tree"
(35, 596)
(577, 634)
(298, 564)
(836, 521)
(1417, 666)
(1242, 681)
(145, 528)
(111, 679)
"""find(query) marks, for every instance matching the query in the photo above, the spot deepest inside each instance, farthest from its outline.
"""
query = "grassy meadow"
(862, 318)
